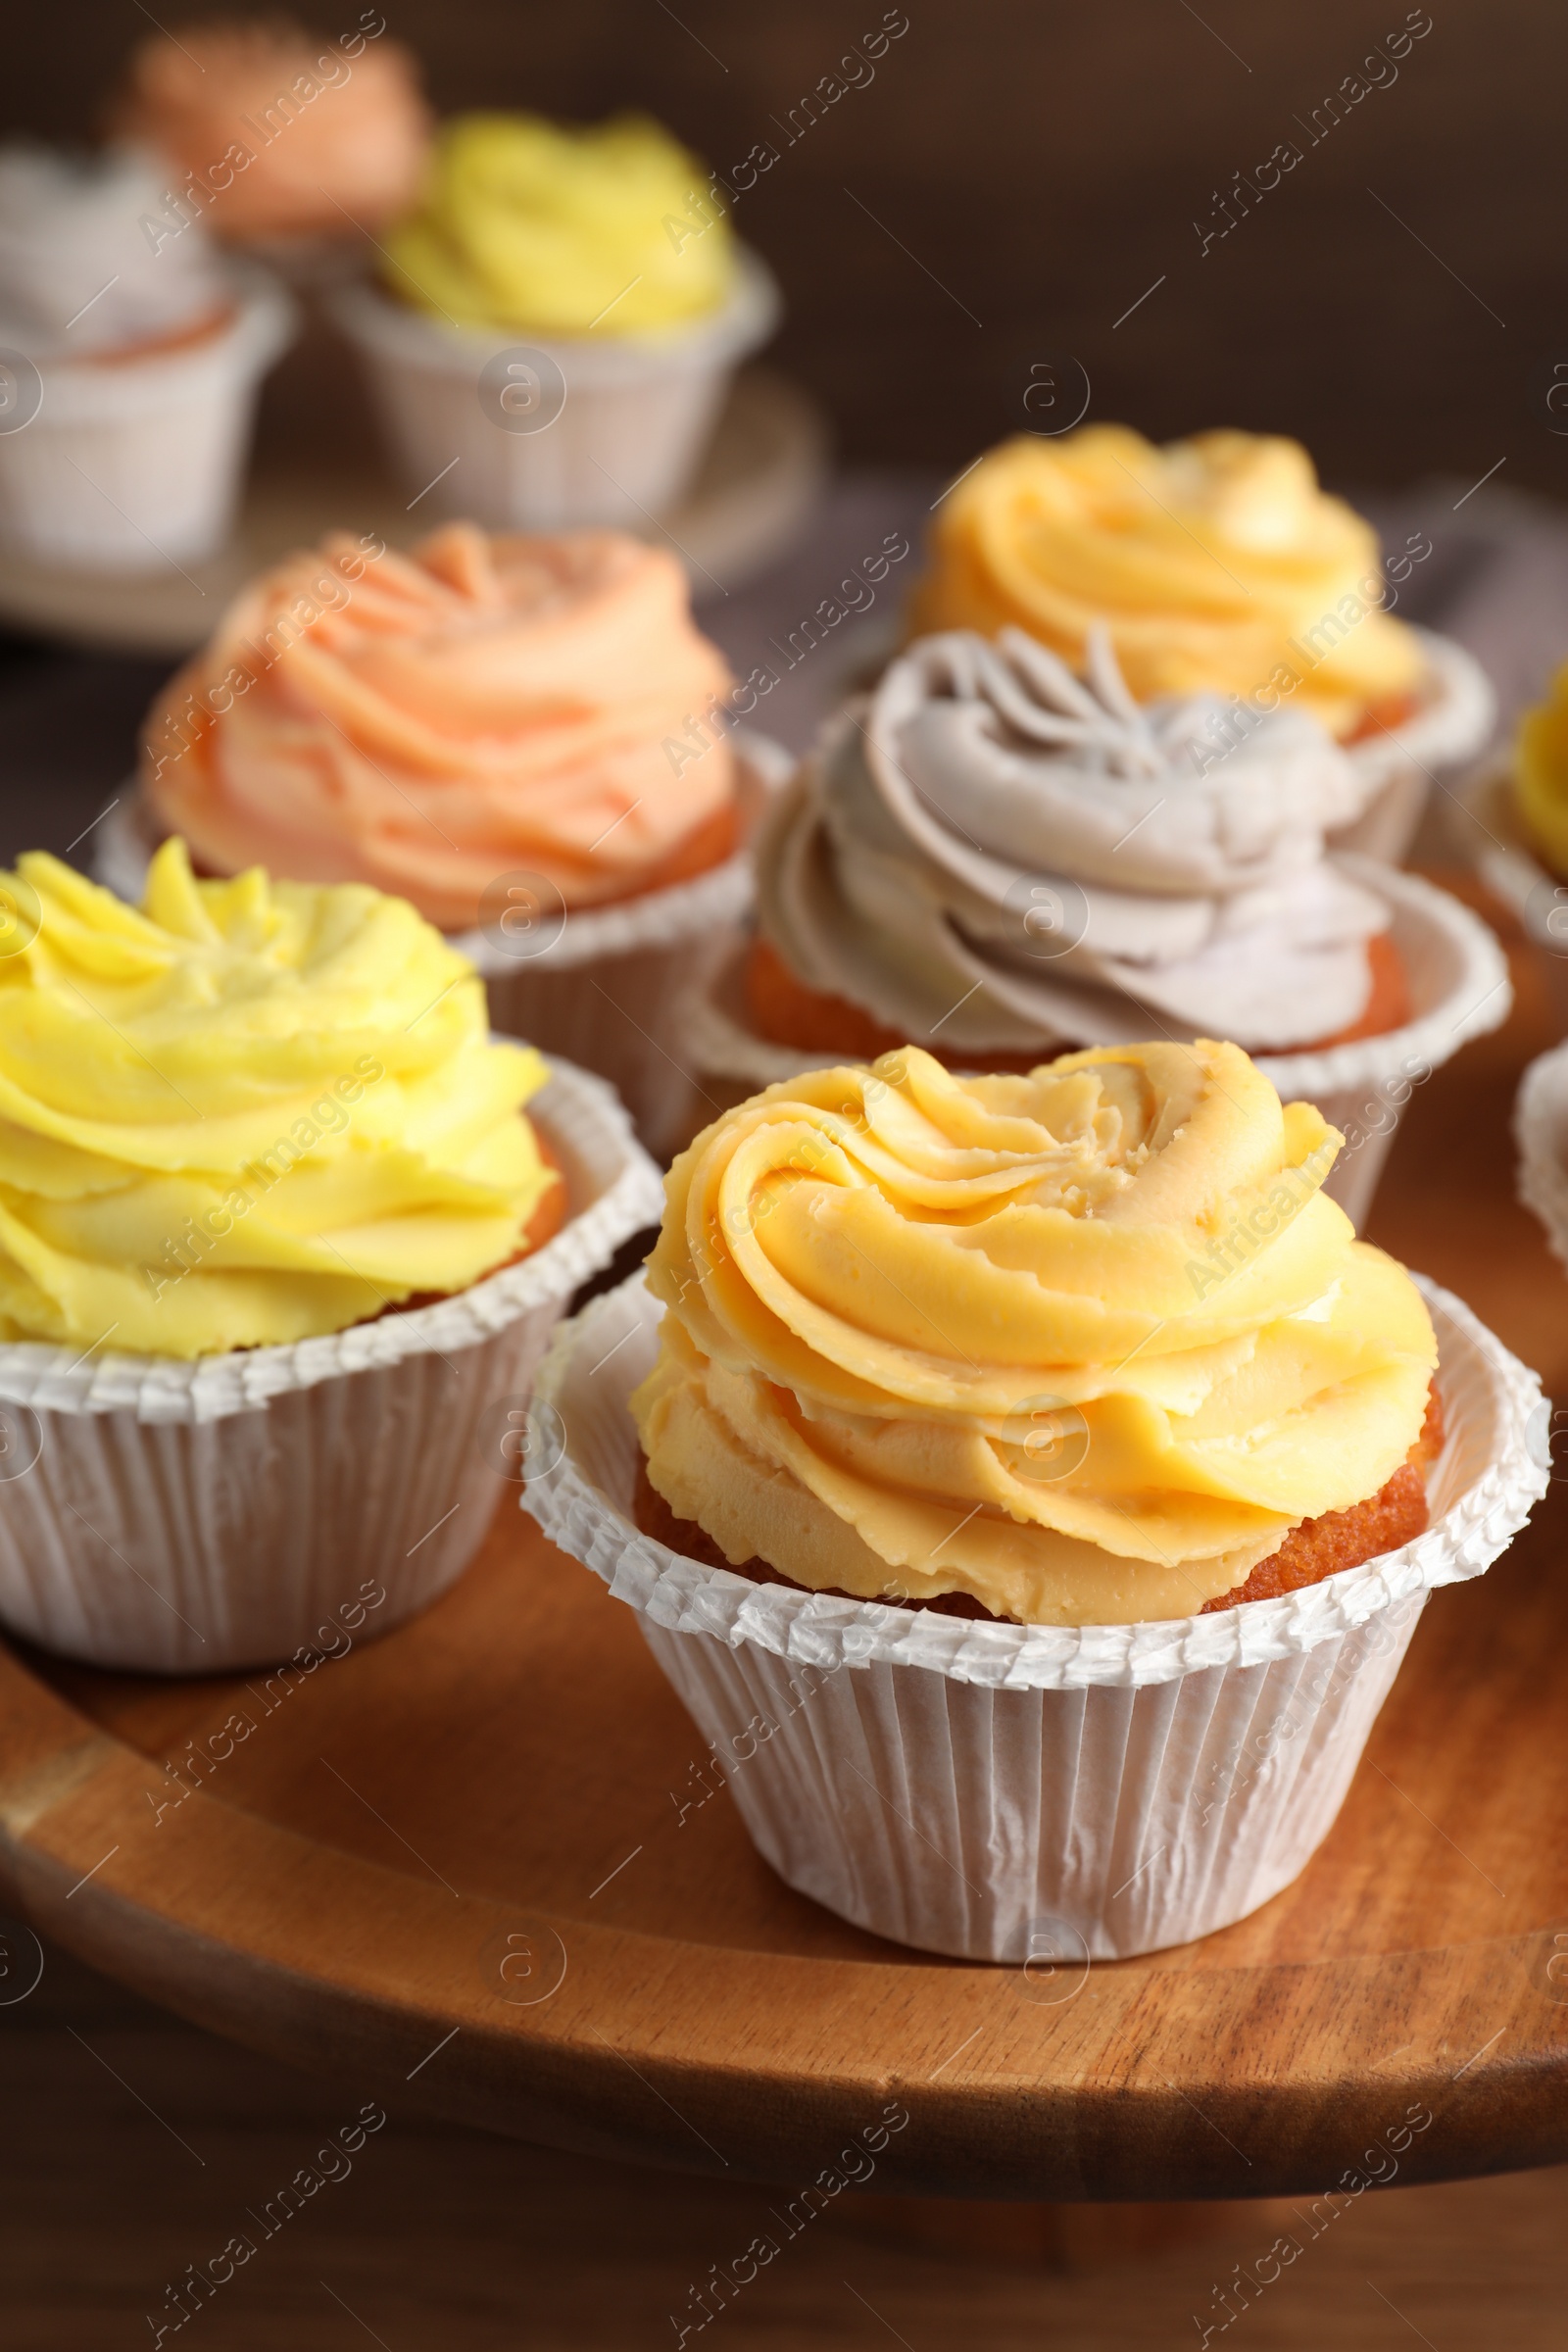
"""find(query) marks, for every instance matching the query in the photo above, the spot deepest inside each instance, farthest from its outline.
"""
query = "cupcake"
(278, 139)
(1540, 775)
(997, 860)
(276, 1228)
(1068, 1414)
(1541, 1137)
(1218, 566)
(500, 731)
(1515, 829)
(557, 321)
(135, 359)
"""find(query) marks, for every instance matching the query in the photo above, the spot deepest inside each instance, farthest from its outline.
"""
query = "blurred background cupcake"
(1218, 566)
(132, 357)
(1000, 862)
(1540, 775)
(292, 144)
(501, 731)
(554, 326)
(1511, 821)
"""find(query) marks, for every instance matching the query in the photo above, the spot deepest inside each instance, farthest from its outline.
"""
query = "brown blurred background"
(1001, 194)
(1035, 168)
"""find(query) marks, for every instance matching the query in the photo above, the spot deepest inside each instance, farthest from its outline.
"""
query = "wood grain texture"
(442, 2240)
(342, 1887)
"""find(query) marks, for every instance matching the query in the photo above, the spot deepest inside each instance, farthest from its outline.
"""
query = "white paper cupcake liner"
(1459, 986)
(1486, 826)
(1541, 1133)
(997, 1790)
(1453, 720)
(195, 1517)
(623, 447)
(128, 466)
(606, 986)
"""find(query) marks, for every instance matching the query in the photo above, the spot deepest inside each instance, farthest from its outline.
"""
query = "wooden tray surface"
(459, 1856)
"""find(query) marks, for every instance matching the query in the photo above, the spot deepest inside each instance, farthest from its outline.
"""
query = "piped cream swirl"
(246, 1112)
(999, 857)
(1084, 1345)
(1217, 564)
(429, 721)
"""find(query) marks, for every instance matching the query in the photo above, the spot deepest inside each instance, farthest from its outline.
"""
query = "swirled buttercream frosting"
(563, 232)
(280, 134)
(80, 278)
(245, 1113)
(998, 856)
(1217, 564)
(1084, 1345)
(430, 722)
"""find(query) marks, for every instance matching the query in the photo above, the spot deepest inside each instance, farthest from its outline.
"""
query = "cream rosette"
(432, 722)
(1218, 562)
(246, 1113)
(1082, 1345)
(998, 853)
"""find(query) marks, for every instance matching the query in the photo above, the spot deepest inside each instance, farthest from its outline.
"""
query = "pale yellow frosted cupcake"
(1084, 1346)
(1036, 1483)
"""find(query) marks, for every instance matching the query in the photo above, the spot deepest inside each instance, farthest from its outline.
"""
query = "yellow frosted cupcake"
(559, 231)
(273, 137)
(1541, 773)
(1030, 1485)
(276, 1225)
(556, 321)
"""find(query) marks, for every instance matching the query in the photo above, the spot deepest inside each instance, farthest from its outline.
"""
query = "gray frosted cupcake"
(997, 860)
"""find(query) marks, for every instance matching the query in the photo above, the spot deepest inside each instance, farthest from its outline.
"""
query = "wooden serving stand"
(486, 1861)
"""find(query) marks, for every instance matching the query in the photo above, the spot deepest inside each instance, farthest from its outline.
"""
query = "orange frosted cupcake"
(499, 730)
(428, 723)
(271, 134)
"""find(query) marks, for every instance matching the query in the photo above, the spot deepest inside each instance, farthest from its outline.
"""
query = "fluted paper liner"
(609, 993)
(128, 466)
(1452, 719)
(1488, 828)
(1459, 986)
(194, 1517)
(1540, 1132)
(989, 1789)
(621, 451)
